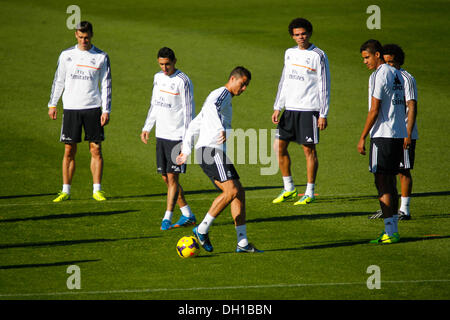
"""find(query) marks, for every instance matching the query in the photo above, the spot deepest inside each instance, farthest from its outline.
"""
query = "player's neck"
(305, 46)
(87, 48)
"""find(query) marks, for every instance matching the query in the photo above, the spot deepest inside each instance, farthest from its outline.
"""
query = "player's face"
(370, 60)
(301, 36)
(84, 40)
(238, 85)
(167, 66)
(389, 59)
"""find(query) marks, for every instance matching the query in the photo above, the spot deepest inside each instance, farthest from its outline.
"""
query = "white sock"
(241, 232)
(288, 183)
(206, 223)
(395, 221)
(168, 215)
(97, 187)
(186, 211)
(405, 205)
(66, 188)
(389, 226)
(309, 190)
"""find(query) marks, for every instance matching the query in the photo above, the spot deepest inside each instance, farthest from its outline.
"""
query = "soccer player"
(386, 124)
(171, 110)
(304, 92)
(395, 57)
(81, 70)
(211, 125)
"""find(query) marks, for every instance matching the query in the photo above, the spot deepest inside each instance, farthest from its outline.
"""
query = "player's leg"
(70, 136)
(94, 133)
(406, 180)
(312, 165)
(308, 137)
(68, 165)
(166, 223)
(289, 191)
(95, 148)
(68, 170)
(385, 160)
(173, 197)
(187, 216)
(406, 183)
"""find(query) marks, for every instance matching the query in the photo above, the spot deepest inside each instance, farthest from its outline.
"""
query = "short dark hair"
(166, 53)
(396, 51)
(372, 46)
(85, 26)
(300, 23)
(240, 72)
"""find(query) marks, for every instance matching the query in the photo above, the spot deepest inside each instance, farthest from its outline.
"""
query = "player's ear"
(377, 55)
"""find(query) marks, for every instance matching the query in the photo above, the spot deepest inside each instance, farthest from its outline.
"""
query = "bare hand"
(222, 138)
(181, 158)
(145, 135)
(362, 146)
(52, 113)
(406, 143)
(104, 120)
(322, 123)
(275, 115)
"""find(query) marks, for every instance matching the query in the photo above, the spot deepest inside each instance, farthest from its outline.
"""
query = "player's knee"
(70, 151)
(96, 150)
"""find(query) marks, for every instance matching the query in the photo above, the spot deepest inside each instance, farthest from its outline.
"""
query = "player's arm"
(412, 113)
(187, 98)
(279, 99)
(324, 92)
(370, 120)
(411, 104)
(57, 89)
(150, 120)
(106, 89)
(188, 140)
(148, 125)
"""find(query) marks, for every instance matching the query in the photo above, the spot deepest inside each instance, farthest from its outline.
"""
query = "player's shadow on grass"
(40, 265)
(67, 242)
(27, 196)
(68, 215)
(350, 243)
(192, 192)
(308, 217)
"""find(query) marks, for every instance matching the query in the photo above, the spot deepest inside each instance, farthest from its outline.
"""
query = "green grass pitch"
(320, 251)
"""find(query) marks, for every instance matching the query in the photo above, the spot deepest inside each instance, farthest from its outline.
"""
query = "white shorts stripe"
(316, 138)
(406, 164)
(220, 168)
(374, 159)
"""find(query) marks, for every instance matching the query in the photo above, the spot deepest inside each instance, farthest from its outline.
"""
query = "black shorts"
(299, 126)
(408, 157)
(216, 165)
(385, 155)
(166, 156)
(73, 122)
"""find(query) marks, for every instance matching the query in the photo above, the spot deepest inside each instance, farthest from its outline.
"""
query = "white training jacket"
(215, 117)
(305, 81)
(172, 106)
(79, 74)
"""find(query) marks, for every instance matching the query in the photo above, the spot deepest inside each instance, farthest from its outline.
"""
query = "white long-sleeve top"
(305, 81)
(77, 78)
(215, 117)
(172, 106)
